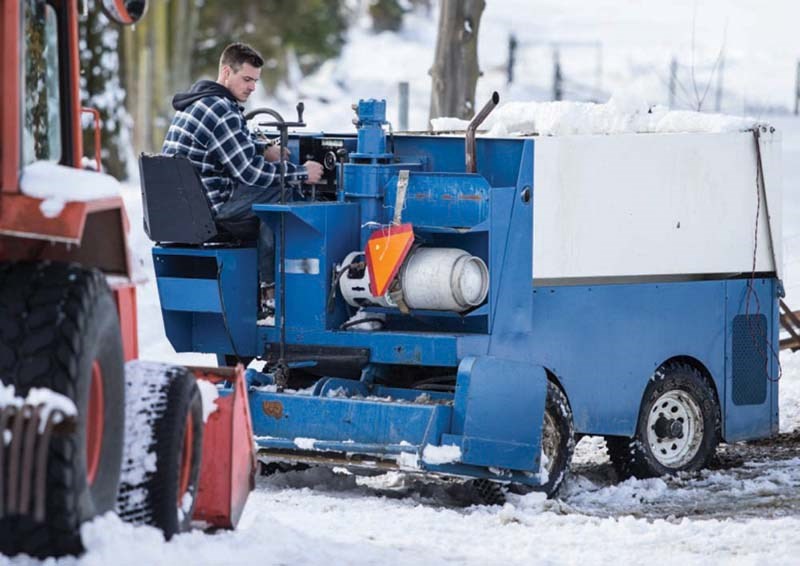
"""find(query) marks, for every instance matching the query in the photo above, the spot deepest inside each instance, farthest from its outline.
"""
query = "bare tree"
(455, 68)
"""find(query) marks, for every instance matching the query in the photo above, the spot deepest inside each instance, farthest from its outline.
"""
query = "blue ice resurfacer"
(467, 311)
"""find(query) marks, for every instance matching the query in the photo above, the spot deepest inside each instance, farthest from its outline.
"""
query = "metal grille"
(750, 359)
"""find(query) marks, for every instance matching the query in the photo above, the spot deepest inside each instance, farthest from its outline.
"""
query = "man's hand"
(273, 153)
(314, 171)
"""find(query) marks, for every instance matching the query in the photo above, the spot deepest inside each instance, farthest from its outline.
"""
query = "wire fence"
(692, 86)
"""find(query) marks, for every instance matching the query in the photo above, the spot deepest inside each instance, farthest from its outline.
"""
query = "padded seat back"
(175, 205)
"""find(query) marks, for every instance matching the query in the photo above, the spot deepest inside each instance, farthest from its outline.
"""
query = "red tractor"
(78, 438)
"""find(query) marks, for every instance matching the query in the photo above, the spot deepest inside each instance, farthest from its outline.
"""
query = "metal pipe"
(469, 141)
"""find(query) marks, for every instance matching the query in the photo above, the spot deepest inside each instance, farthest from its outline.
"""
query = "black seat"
(175, 205)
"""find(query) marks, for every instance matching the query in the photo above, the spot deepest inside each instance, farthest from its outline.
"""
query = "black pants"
(237, 218)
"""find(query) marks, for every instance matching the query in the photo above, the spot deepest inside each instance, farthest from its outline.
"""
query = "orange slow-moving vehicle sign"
(385, 252)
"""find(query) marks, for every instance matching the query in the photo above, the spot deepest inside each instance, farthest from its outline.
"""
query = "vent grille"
(750, 359)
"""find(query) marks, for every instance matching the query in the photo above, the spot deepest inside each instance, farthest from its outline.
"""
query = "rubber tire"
(55, 321)
(163, 419)
(557, 406)
(484, 492)
(632, 457)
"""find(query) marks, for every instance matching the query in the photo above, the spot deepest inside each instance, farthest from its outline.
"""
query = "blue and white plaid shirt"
(213, 134)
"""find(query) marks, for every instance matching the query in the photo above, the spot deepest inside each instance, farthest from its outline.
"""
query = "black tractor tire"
(678, 427)
(163, 447)
(59, 327)
(558, 440)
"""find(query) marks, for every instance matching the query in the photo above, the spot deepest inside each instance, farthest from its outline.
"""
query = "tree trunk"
(183, 31)
(455, 69)
(161, 110)
(101, 88)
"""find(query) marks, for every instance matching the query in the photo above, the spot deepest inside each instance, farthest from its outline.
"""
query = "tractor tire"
(163, 447)
(678, 428)
(59, 330)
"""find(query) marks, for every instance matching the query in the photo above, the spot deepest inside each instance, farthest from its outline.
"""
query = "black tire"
(678, 428)
(558, 444)
(56, 321)
(484, 492)
(164, 401)
(558, 439)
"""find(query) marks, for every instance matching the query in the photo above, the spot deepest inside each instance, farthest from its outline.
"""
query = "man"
(237, 167)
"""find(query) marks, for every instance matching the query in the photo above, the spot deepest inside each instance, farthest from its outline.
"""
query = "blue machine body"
(601, 343)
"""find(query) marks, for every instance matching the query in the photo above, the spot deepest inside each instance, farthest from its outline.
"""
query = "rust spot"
(272, 409)
(421, 196)
(447, 197)
(470, 197)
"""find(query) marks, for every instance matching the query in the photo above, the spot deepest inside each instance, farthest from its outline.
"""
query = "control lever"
(281, 370)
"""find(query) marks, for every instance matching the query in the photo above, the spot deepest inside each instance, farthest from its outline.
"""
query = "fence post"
(402, 110)
(797, 90)
(512, 57)
(720, 76)
(558, 77)
(673, 78)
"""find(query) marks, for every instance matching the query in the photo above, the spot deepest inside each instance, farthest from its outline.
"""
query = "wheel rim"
(186, 458)
(674, 429)
(551, 441)
(94, 423)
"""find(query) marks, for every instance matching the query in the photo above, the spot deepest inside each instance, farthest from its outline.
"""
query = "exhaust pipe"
(472, 164)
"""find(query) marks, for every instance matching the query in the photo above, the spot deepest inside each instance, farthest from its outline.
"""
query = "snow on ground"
(738, 513)
(636, 40)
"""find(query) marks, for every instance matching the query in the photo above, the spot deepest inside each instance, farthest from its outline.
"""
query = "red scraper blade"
(228, 468)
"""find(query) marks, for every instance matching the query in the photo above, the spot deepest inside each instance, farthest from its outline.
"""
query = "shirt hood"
(201, 89)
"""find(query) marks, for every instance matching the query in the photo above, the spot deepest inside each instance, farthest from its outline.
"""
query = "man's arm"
(239, 155)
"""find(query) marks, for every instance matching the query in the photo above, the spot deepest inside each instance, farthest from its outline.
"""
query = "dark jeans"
(237, 218)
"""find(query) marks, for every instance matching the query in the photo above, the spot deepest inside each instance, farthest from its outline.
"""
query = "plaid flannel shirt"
(213, 134)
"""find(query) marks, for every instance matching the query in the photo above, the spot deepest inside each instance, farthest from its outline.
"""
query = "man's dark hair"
(237, 54)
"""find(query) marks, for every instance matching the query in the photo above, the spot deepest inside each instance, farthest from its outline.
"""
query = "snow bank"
(449, 124)
(789, 388)
(57, 184)
(623, 114)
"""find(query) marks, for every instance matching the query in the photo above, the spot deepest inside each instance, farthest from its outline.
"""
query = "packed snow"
(305, 443)
(57, 184)
(743, 514)
(618, 116)
(441, 454)
(144, 382)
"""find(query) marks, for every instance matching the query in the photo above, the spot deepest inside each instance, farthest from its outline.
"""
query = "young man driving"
(237, 168)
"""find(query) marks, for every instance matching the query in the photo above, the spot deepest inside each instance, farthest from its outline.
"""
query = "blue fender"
(498, 413)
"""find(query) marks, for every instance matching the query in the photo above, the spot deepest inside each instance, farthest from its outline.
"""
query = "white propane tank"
(441, 279)
(444, 279)
(355, 290)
